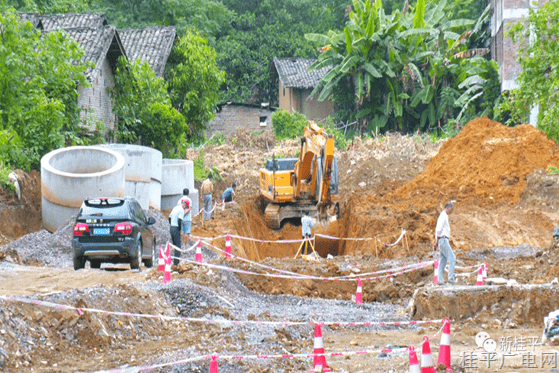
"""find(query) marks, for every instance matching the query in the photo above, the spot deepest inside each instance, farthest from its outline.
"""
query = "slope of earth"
(21, 217)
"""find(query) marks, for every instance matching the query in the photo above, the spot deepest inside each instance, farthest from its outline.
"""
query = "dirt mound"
(486, 163)
(21, 217)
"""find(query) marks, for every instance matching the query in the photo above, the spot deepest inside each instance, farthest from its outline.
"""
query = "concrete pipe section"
(177, 174)
(71, 175)
(142, 172)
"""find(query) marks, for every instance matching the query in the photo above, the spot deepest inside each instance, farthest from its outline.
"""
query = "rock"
(362, 184)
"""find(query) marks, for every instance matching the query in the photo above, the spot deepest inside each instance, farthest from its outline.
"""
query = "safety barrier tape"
(363, 239)
(80, 310)
(185, 250)
(304, 276)
(255, 357)
(466, 274)
(299, 277)
(302, 239)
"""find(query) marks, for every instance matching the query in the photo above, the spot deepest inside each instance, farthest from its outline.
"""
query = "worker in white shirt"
(13, 178)
(442, 234)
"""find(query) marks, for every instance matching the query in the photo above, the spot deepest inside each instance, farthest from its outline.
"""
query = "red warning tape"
(81, 310)
(257, 357)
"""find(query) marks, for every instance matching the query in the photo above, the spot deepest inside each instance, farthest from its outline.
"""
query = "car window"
(104, 210)
(138, 212)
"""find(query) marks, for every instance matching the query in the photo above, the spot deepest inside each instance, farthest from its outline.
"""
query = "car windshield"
(107, 209)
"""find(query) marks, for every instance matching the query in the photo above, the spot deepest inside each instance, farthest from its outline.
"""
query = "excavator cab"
(310, 182)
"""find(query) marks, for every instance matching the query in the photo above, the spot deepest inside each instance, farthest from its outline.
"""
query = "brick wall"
(95, 101)
(234, 116)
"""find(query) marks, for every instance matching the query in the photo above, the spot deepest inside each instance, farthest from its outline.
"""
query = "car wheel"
(154, 257)
(95, 264)
(79, 262)
(137, 257)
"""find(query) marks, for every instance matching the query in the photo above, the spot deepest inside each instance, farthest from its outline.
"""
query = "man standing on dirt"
(174, 217)
(306, 227)
(442, 234)
(187, 217)
(207, 189)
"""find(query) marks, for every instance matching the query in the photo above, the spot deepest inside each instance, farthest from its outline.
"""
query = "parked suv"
(113, 230)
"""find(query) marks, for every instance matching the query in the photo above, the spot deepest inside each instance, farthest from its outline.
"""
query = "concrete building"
(231, 116)
(505, 14)
(295, 86)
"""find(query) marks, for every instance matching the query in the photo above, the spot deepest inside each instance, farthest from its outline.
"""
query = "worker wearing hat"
(442, 234)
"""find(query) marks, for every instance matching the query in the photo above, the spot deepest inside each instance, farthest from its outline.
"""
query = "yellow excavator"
(290, 186)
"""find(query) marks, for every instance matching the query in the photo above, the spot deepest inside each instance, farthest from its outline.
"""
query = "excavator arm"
(317, 152)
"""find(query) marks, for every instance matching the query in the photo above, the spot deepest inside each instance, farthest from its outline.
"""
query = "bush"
(4, 179)
(288, 125)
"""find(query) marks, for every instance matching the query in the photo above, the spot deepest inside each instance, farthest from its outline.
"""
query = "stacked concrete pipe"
(71, 175)
(177, 174)
(142, 173)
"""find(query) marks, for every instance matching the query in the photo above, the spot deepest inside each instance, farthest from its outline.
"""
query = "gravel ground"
(55, 249)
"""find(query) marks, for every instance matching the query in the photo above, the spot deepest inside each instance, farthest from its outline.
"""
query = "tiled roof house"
(151, 44)
(103, 45)
(296, 84)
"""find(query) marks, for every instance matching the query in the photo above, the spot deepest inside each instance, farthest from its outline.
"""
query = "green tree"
(407, 71)
(539, 77)
(39, 76)
(194, 80)
(288, 125)
(143, 107)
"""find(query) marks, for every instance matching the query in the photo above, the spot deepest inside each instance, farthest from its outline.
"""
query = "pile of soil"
(25, 216)
(487, 163)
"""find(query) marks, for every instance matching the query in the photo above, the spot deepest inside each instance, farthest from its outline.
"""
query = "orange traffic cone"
(319, 349)
(444, 349)
(199, 252)
(436, 277)
(426, 358)
(213, 365)
(359, 293)
(228, 246)
(484, 271)
(167, 273)
(479, 281)
(414, 364)
(161, 261)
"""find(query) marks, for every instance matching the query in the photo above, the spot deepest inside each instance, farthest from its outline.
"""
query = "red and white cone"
(162, 254)
(319, 349)
(436, 277)
(199, 252)
(359, 292)
(213, 365)
(414, 364)
(426, 357)
(228, 247)
(479, 281)
(444, 349)
(484, 271)
(167, 273)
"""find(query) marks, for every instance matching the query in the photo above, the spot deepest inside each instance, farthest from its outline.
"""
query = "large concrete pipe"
(142, 167)
(71, 175)
(177, 175)
(155, 183)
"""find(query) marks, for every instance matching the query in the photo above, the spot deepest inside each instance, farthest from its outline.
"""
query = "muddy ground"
(386, 184)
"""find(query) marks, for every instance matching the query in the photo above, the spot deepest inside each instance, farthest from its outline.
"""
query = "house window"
(263, 122)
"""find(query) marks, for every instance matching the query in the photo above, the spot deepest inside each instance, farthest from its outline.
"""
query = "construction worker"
(206, 190)
(306, 226)
(175, 217)
(187, 217)
(442, 234)
(228, 194)
(13, 179)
